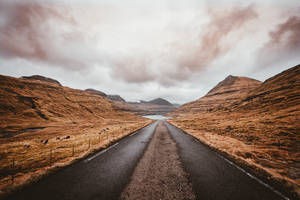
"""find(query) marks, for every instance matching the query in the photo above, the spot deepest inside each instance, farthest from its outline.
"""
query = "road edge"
(257, 173)
(55, 169)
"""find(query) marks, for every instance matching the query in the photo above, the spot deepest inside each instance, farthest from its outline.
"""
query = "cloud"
(174, 49)
(133, 69)
(283, 44)
(185, 56)
(209, 46)
(41, 32)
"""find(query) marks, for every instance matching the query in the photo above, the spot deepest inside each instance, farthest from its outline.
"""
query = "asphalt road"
(100, 176)
(105, 174)
(214, 177)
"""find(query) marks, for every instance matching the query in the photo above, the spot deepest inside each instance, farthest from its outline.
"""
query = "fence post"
(72, 150)
(13, 166)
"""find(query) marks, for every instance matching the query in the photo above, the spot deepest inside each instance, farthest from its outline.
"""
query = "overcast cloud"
(143, 49)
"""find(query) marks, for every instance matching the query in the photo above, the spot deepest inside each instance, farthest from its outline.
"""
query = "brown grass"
(32, 112)
(269, 143)
(32, 158)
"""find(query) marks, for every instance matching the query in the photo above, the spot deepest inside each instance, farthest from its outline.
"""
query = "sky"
(144, 49)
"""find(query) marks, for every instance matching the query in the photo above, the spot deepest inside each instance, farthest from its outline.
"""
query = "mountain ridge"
(257, 127)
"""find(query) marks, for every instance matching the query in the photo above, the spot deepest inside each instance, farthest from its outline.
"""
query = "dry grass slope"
(259, 128)
(44, 126)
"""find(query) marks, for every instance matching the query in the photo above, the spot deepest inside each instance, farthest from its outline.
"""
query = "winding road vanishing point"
(157, 162)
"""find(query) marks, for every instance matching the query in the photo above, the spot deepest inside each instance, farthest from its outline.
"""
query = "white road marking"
(133, 134)
(101, 152)
(253, 177)
(196, 140)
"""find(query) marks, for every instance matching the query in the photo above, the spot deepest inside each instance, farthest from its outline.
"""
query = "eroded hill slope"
(259, 127)
(44, 125)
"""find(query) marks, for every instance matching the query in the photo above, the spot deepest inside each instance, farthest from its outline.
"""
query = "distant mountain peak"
(160, 101)
(233, 83)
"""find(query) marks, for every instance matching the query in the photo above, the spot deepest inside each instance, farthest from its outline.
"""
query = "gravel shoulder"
(159, 174)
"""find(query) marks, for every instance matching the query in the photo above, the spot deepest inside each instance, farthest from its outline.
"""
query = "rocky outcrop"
(115, 98)
(41, 78)
(102, 94)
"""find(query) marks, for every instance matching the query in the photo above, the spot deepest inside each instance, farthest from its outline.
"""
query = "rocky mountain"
(160, 101)
(41, 78)
(116, 98)
(257, 124)
(158, 106)
(228, 91)
(102, 94)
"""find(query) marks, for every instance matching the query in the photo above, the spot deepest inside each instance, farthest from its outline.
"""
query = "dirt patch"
(159, 174)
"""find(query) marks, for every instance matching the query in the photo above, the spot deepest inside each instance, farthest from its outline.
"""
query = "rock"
(44, 141)
(228, 128)
(115, 98)
(41, 78)
(102, 94)
(26, 145)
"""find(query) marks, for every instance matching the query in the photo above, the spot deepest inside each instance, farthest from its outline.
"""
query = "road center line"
(253, 177)
(101, 152)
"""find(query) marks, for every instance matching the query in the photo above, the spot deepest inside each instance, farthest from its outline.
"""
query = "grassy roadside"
(33, 159)
(234, 150)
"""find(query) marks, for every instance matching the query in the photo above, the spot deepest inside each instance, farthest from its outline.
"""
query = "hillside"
(115, 98)
(258, 126)
(158, 106)
(225, 93)
(160, 101)
(38, 117)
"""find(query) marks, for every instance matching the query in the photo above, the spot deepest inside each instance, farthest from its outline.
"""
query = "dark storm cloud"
(283, 44)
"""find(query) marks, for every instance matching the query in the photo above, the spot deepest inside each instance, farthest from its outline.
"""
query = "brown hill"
(158, 106)
(277, 93)
(160, 101)
(26, 100)
(41, 118)
(145, 108)
(228, 91)
(258, 127)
